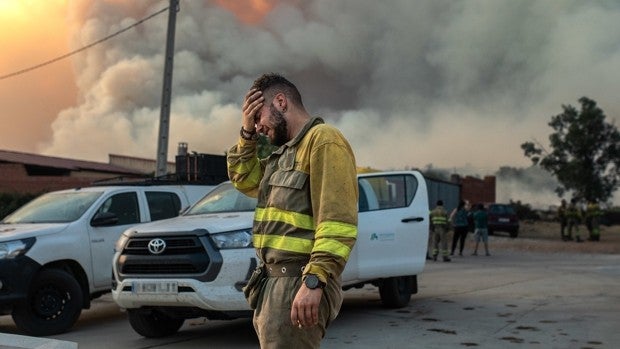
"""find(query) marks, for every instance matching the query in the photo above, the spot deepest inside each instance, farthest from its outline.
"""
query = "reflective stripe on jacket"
(439, 216)
(307, 198)
(593, 210)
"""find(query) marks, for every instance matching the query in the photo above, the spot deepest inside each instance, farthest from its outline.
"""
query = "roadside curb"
(11, 341)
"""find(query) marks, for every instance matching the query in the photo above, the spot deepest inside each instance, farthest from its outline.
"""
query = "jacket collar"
(310, 124)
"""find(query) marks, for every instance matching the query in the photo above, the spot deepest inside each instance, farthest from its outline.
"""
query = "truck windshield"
(54, 208)
(224, 198)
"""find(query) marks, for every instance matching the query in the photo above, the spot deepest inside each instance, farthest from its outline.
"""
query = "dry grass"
(545, 237)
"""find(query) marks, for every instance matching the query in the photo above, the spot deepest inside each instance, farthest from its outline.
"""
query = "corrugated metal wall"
(448, 192)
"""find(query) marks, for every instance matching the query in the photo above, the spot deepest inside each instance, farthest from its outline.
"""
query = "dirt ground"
(545, 237)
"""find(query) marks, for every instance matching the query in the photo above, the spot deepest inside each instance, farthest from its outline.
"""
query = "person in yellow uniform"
(593, 214)
(305, 223)
(573, 215)
(563, 219)
(439, 228)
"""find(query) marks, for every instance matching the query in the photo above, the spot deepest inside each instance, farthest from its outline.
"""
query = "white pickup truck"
(56, 251)
(195, 265)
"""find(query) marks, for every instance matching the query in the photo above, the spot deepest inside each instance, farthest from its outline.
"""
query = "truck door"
(393, 226)
(103, 238)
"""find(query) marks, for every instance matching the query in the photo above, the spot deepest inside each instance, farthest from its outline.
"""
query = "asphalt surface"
(510, 299)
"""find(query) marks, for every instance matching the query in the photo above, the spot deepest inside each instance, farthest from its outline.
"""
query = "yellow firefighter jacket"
(439, 217)
(307, 198)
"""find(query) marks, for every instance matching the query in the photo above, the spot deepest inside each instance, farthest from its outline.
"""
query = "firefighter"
(563, 219)
(439, 228)
(593, 214)
(573, 216)
(305, 223)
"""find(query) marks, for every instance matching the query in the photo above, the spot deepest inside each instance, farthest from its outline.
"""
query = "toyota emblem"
(157, 246)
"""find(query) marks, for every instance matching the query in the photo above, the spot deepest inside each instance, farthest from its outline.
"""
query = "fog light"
(1, 285)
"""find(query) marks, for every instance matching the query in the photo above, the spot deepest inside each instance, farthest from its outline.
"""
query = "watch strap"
(248, 135)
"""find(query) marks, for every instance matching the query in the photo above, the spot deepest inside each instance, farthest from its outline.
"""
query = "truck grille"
(174, 246)
(182, 255)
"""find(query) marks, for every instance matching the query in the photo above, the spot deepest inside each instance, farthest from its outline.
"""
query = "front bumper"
(220, 293)
(15, 278)
(190, 293)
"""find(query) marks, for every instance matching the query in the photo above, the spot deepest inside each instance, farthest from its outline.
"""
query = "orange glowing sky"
(248, 11)
(33, 31)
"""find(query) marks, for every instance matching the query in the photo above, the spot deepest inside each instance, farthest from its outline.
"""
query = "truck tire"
(152, 323)
(396, 291)
(53, 305)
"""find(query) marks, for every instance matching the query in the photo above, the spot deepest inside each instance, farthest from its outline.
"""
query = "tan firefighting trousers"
(272, 316)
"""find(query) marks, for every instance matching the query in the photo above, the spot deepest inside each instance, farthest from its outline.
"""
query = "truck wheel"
(396, 291)
(53, 305)
(152, 323)
(514, 233)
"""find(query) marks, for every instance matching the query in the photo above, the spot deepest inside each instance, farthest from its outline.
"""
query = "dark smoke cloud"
(456, 84)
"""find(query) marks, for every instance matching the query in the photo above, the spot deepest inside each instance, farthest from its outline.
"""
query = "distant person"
(439, 228)
(573, 216)
(593, 214)
(481, 232)
(458, 218)
(563, 219)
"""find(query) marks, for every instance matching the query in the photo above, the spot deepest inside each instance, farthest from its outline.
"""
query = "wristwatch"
(312, 281)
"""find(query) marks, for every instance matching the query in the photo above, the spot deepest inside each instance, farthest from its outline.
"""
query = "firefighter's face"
(271, 123)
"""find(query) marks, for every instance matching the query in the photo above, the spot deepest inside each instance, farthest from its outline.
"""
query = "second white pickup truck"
(196, 265)
(56, 251)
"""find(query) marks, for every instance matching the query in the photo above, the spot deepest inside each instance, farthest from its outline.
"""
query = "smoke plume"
(456, 84)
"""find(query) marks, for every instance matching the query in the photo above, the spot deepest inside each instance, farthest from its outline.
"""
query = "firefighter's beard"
(280, 127)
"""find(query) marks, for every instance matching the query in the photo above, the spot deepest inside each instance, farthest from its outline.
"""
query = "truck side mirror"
(103, 219)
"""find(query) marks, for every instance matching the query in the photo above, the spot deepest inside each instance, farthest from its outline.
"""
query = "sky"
(455, 85)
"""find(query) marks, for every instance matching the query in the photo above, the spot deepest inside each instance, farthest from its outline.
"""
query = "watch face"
(311, 281)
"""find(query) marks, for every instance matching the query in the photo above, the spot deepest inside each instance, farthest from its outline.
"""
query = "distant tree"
(585, 156)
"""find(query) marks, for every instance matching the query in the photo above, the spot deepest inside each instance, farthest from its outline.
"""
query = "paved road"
(511, 299)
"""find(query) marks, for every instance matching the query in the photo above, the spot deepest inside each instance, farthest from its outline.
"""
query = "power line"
(19, 72)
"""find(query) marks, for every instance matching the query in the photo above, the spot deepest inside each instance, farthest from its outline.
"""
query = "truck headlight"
(12, 249)
(233, 239)
(121, 242)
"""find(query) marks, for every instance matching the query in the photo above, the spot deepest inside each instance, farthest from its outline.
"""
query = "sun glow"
(33, 31)
(23, 10)
(10, 9)
(10, 6)
(31, 27)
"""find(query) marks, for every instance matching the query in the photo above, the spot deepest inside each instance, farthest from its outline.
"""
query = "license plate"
(157, 287)
(504, 220)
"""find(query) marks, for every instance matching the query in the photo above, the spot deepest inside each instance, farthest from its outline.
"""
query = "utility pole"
(164, 118)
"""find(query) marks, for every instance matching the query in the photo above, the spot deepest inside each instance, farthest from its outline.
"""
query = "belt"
(284, 269)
